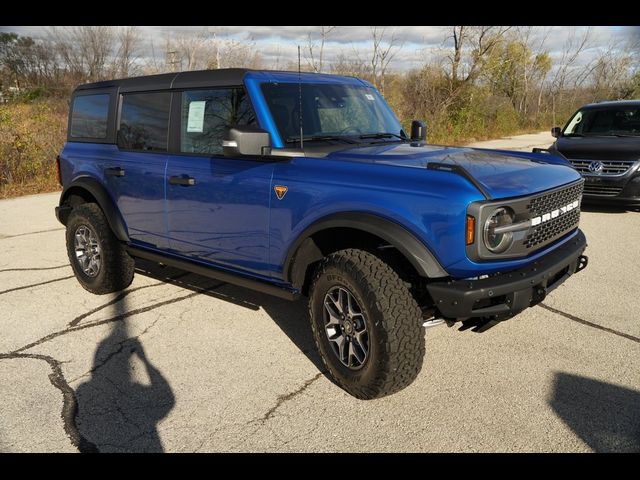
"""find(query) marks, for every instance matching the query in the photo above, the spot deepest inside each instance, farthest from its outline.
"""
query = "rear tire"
(379, 317)
(99, 260)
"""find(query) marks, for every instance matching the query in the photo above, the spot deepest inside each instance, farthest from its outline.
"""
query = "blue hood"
(502, 173)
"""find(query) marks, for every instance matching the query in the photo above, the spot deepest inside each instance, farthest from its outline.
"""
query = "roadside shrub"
(31, 135)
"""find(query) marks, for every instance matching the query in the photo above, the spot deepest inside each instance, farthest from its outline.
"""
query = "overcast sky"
(419, 43)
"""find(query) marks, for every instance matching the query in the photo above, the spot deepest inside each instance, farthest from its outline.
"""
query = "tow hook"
(583, 261)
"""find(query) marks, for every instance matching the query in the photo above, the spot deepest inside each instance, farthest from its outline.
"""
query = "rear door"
(136, 175)
(217, 207)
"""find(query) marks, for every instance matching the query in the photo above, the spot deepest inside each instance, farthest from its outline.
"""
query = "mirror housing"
(556, 132)
(418, 131)
(246, 141)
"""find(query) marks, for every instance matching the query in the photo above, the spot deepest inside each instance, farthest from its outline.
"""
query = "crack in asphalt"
(57, 379)
(590, 324)
(119, 297)
(4, 237)
(282, 399)
(116, 318)
(69, 401)
(119, 347)
(33, 269)
(36, 284)
(115, 300)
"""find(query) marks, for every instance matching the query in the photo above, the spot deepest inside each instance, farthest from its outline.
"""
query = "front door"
(217, 207)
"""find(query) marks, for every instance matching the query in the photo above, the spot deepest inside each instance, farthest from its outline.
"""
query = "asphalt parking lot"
(178, 363)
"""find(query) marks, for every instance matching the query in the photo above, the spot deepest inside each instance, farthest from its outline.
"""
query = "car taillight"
(58, 169)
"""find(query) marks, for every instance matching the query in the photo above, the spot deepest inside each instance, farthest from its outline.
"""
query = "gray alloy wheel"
(346, 328)
(87, 249)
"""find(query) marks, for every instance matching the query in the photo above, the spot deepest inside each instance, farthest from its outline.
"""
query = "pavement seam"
(33, 269)
(36, 284)
(4, 237)
(590, 324)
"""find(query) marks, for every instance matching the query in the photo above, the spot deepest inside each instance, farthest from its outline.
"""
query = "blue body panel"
(139, 194)
(224, 218)
(233, 220)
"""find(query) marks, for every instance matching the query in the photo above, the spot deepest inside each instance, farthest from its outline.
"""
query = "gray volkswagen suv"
(602, 142)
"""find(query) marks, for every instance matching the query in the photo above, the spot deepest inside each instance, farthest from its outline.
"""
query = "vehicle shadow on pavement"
(291, 317)
(120, 406)
(606, 417)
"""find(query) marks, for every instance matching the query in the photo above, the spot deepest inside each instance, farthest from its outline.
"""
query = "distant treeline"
(484, 82)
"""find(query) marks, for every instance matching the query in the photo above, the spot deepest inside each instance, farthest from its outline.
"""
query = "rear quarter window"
(89, 116)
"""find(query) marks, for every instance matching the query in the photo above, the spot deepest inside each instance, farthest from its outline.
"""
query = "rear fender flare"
(104, 201)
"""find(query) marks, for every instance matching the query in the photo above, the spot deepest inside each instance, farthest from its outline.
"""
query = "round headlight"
(496, 241)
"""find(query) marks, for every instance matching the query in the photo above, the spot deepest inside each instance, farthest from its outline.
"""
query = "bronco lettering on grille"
(554, 213)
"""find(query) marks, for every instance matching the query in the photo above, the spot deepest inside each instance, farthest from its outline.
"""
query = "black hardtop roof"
(192, 79)
(613, 103)
(163, 81)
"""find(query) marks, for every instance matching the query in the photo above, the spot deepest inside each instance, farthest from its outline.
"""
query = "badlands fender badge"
(281, 191)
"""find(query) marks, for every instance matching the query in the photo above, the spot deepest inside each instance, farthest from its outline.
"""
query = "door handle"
(183, 181)
(114, 172)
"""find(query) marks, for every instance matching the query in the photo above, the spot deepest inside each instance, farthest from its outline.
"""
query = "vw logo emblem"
(596, 167)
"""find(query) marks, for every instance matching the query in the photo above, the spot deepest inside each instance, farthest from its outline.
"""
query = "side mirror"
(556, 132)
(418, 131)
(246, 141)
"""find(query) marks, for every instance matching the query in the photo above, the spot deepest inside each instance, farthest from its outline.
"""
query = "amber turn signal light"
(471, 230)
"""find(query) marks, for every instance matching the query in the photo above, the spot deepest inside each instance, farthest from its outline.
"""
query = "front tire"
(366, 324)
(99, 261)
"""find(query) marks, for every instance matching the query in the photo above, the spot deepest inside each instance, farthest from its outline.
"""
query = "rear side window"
(207, 113)
(89, 116)
(144, 121)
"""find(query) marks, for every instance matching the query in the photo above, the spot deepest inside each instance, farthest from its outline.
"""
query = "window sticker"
(195, 122)
(370, 97)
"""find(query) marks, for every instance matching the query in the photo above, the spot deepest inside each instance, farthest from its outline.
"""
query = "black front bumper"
(504, 295)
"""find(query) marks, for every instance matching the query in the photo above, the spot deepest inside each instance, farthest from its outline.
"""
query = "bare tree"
(384, 50)
(316, 60)
(193, 50)
(84, 50)
(126, 57)
(476, 44)
(567, 72)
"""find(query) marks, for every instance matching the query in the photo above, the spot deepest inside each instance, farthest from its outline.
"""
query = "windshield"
(605, 121)
(330, 110)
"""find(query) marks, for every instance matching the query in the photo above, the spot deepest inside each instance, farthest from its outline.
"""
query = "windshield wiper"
(573, 135)
(326, 138)
(382, 135)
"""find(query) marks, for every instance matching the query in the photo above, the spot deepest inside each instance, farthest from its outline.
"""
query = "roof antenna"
(300, 99)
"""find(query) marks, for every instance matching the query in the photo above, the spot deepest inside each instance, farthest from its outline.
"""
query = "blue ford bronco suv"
(306, 184)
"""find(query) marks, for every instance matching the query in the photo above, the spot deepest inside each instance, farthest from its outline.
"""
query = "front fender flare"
(413, 249)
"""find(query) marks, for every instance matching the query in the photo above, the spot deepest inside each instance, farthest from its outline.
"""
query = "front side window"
(144, 121)
(89, 116)
(329, 109)
(207, 113)
(605, 121)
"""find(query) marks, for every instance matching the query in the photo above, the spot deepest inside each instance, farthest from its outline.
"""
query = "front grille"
(559, 198)
(602, 190)
(609, 167)
(552, 229)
